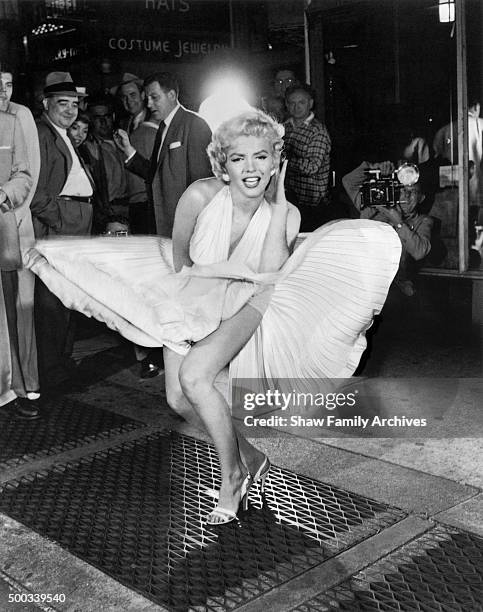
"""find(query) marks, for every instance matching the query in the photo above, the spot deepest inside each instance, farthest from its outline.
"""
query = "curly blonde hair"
(249, 123)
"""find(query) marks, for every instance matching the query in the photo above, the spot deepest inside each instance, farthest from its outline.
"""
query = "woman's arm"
(283, 229)
(191, 203)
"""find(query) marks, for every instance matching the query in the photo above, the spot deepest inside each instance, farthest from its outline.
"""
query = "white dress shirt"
(77, 183)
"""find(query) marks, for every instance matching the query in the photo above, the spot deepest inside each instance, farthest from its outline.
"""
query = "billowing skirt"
(318, 306)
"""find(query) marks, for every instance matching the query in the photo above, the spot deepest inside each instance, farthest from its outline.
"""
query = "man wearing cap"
(142, 132)
(131, 93)
(83, 95)
(104, 151)
(62, 205)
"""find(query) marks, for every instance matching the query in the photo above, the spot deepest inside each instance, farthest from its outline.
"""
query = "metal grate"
(65, 424)
(136, 511)
(438, 572)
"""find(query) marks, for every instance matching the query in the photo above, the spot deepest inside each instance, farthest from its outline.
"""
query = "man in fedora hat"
(83, 95)
(131, 93)
(62, 205)
(142, 132)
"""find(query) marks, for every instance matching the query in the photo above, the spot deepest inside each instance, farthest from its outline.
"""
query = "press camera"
(379, 190)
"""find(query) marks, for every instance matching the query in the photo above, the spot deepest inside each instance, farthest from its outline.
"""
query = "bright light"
(47, 28)
(228, 98)
(446, 11)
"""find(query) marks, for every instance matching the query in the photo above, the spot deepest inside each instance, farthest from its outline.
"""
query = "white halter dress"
(324, 297)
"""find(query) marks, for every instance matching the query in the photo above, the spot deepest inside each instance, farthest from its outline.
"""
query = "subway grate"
(440, 571)
(65, 424)
(136, 512)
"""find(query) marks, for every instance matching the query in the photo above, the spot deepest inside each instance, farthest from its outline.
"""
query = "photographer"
(413, 229)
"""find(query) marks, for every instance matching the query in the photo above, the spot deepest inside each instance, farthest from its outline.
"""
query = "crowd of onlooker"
(84, 169)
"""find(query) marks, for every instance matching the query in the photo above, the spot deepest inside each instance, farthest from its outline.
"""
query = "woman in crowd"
(79, 130)
(79, 133)
(230, 292)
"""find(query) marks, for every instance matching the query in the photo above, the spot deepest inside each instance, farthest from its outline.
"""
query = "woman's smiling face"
(78, 132)
(249, 164)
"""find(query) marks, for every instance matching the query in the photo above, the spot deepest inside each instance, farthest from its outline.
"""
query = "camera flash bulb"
(407, 174)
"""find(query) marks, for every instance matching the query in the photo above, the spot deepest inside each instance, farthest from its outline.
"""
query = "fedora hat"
(127, 77)
(60, 83)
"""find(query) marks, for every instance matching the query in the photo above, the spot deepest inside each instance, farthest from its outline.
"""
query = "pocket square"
(174, 145)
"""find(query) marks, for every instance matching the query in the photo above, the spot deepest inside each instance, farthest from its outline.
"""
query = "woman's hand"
(121, 138)
(276, 247)
(275, 193)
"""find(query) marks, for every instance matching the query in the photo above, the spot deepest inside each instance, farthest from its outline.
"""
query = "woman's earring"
(225, 177)
(272, 171)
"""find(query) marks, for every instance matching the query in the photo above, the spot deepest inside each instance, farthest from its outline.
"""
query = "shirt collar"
(169, 118)
(309, 119)
(306, 121)
(139, 118)
(62, 131)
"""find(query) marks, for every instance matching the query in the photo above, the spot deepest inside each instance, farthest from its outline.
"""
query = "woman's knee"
(176, 400)
(194, 380)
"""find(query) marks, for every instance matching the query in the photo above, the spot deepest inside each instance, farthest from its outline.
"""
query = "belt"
(86, 199)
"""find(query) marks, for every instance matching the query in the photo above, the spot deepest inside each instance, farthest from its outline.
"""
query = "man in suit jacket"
(179, 155)
(62, 205)
(131, 93)
(178, 159)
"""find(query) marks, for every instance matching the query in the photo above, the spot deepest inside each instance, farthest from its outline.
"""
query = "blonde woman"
(249, 228)
(230, 289)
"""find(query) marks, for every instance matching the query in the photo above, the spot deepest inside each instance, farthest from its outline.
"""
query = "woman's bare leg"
(174, 394)
(251, 457)
(197, 375)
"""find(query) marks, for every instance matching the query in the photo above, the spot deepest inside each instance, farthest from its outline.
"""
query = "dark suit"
(53, 215)
(183, 160)
(50, 214)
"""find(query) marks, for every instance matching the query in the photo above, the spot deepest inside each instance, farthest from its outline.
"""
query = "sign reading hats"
(61, 83)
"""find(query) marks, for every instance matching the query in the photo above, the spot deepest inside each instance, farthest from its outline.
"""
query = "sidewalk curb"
(339, 568)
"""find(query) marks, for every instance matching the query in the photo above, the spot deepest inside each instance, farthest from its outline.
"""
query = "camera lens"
(377, 195)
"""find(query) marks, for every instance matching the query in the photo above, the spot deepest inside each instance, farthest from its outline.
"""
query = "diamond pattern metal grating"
(65, 424)
(136, 512)
(438, 572)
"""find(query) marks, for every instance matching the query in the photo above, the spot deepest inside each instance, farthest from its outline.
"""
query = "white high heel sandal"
(262, 473)
(221, 516)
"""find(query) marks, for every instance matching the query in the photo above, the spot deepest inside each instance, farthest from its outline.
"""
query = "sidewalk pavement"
(433, 481)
